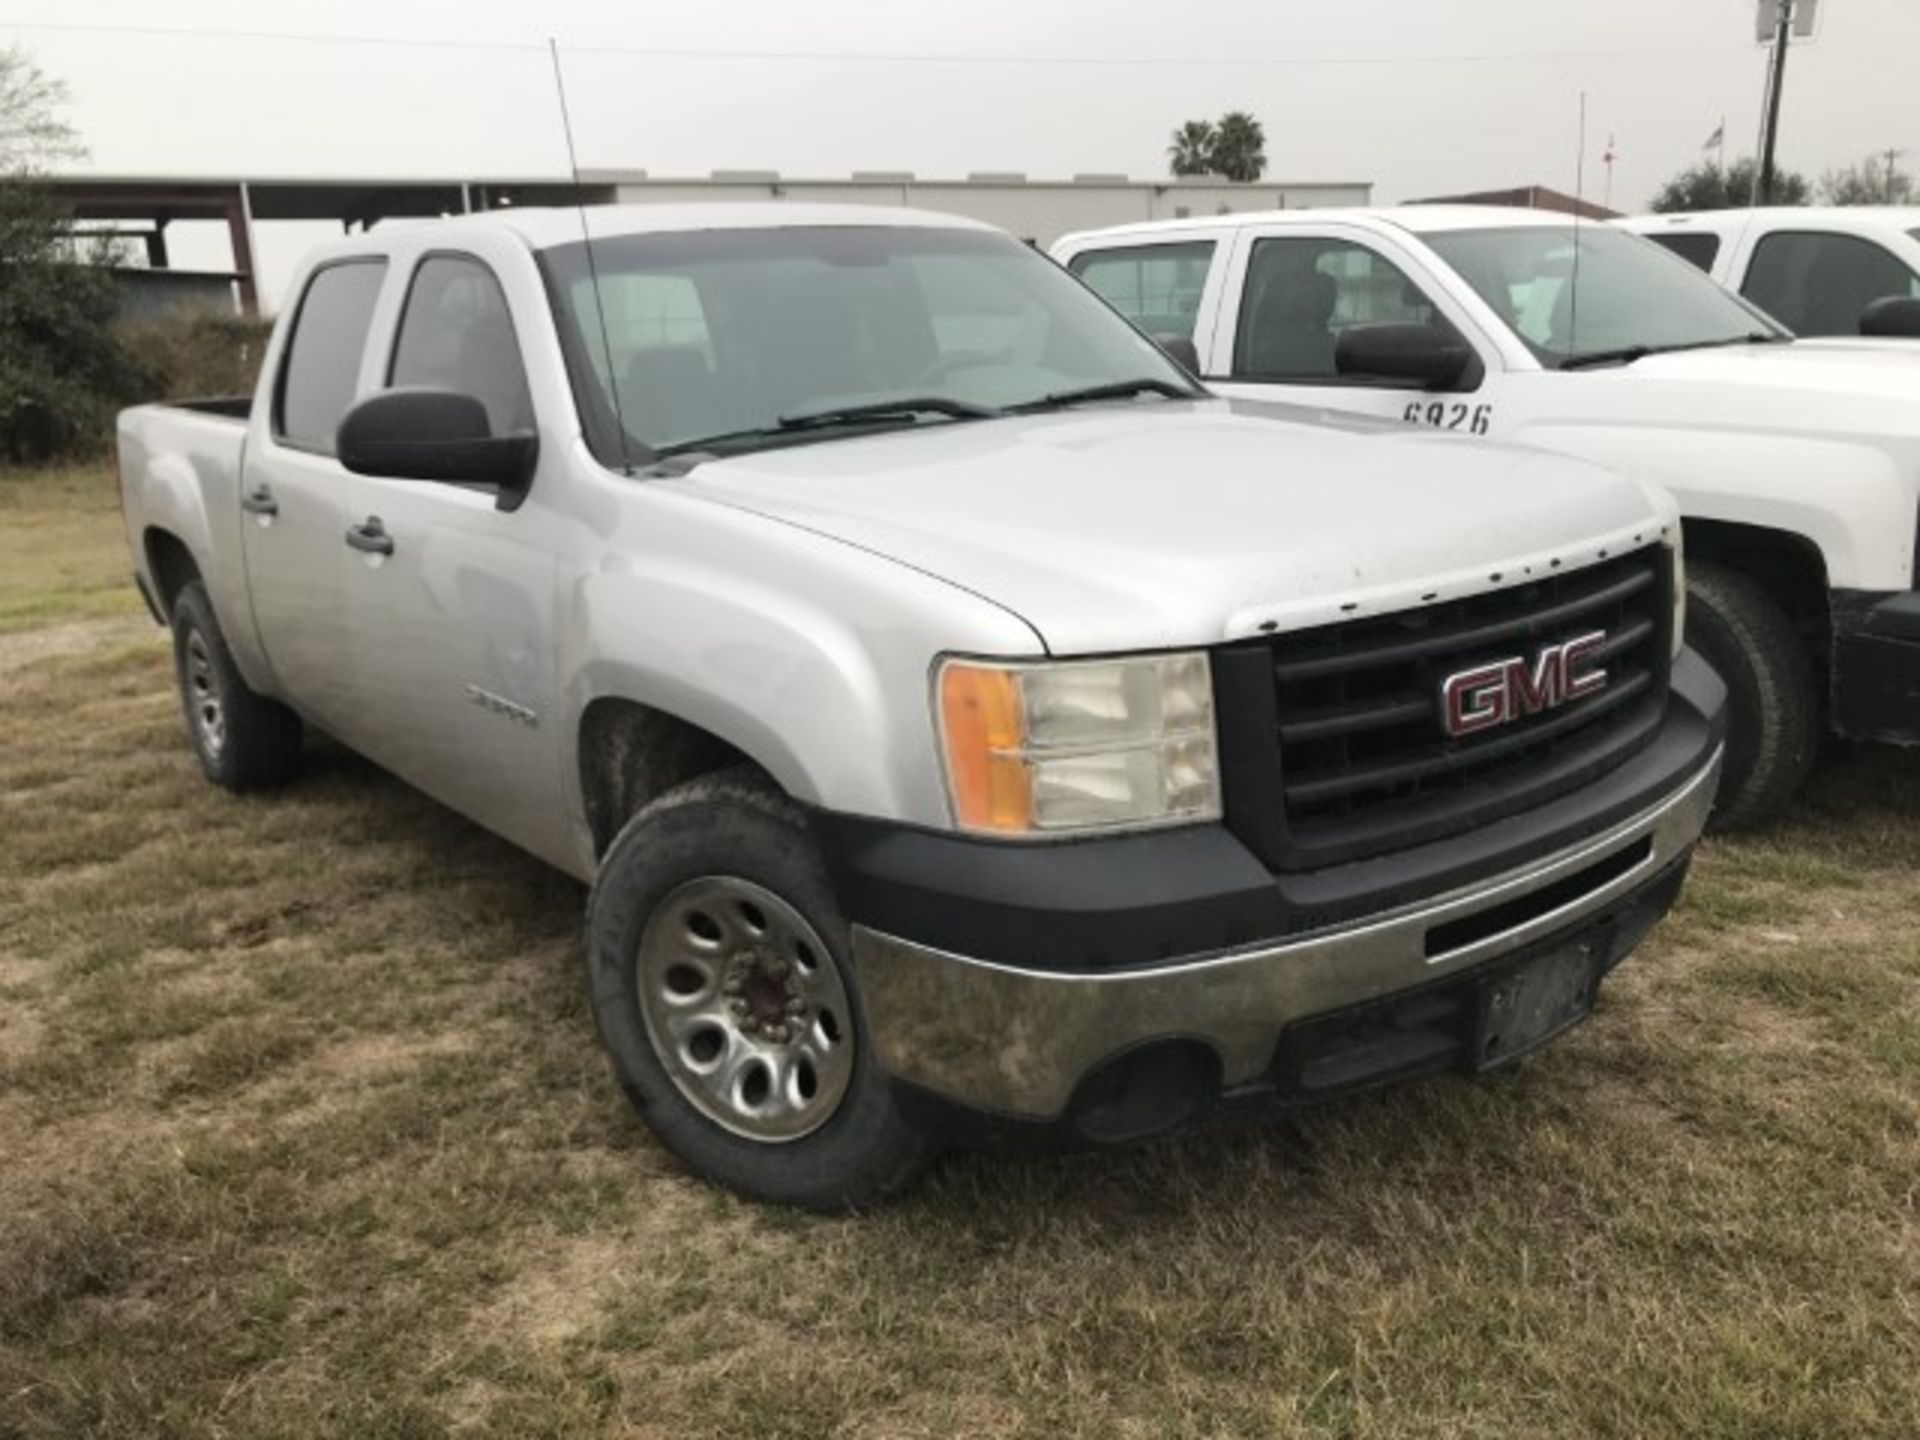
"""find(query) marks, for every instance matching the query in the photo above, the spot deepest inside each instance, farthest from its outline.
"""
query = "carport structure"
(141, 208)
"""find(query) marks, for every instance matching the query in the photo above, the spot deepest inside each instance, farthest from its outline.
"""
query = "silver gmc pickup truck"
(971, 729)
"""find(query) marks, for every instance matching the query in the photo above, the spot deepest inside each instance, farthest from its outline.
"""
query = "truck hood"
(1164, 523)
(1805, 387)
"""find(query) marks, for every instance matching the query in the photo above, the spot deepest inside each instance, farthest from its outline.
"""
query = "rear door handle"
(260, 501)
(370, 537)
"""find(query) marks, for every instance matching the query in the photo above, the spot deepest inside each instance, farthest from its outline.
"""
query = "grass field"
(304, 1131)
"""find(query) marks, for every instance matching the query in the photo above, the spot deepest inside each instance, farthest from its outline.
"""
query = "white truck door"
(452, 597)
(1292, 289)
(294, 493)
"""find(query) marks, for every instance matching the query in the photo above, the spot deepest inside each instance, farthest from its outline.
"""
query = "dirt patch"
(29, 647)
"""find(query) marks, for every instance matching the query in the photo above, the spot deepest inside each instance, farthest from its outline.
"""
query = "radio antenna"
(1579, 204)
(593, 270)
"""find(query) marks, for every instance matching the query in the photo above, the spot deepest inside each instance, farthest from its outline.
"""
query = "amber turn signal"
(982, 732)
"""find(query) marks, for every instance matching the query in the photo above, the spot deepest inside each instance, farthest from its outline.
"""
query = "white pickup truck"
(1847, 270)
(968, 726)
(1796, 464)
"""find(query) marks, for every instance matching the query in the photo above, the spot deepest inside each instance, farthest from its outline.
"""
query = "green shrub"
(191, 354)
(61, 374)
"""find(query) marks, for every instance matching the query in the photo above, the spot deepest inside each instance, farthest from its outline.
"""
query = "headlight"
(1679, 591)
(1055, 748)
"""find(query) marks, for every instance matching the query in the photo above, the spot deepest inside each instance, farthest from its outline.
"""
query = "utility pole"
(1777, 79)
(1892, 155)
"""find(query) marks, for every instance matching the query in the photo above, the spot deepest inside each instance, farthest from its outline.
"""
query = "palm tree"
(1191, 152)
(1240, 147)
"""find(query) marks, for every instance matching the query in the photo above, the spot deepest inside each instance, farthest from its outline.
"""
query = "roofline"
(1415, 219)
(982, 180)
(877, 178)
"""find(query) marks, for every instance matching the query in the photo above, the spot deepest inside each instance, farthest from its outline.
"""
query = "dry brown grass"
(305, 1132)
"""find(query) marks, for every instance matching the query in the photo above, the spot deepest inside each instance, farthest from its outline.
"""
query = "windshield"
(748, 338)
(1632, 295)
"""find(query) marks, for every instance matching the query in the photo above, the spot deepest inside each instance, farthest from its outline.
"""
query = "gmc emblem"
(1505, 691)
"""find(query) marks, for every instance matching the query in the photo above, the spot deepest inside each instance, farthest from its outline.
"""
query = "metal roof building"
(142, 208)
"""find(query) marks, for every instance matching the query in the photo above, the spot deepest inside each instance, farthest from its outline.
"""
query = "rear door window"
(322, 364)
(1818, 284)
(1699, 248)
(1158, 287)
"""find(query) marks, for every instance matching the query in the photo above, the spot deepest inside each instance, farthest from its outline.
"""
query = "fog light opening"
(1145, 1091)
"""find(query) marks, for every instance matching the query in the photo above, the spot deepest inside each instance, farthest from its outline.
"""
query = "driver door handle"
(260, 501)
(370, 537)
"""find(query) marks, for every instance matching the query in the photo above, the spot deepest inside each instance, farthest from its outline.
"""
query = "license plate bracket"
(1523, 1007)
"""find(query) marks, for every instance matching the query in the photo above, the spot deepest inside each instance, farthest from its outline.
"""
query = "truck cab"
(1796, 463)
(1817, 270)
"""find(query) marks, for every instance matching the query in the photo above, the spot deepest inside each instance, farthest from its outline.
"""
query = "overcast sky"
(1416, 96)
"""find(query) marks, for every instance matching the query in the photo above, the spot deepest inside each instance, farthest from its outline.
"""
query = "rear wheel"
(723, 988)
(244, 740)
(1774, 715)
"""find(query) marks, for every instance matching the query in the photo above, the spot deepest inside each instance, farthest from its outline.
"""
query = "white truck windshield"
(1632, 298)
(734, 339)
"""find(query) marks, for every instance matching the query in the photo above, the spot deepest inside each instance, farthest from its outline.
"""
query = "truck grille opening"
(1367, 764)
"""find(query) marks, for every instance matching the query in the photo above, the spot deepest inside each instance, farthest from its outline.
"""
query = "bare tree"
(32, 132)
(1876, 180)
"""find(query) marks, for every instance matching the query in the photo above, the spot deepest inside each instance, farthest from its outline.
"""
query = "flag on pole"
(1718, 138)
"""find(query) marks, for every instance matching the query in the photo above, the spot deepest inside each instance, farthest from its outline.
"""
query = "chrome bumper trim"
(1017, 1041)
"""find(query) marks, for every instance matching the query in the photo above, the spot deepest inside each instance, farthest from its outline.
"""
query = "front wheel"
(723, 989)
(1773, 701)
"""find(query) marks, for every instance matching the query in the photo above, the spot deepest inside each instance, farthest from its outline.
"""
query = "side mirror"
(424, 433)
(1182, 351)
(1426, 356)
(1895, 317)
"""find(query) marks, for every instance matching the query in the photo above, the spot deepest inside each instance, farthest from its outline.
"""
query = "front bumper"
(1876, 666)
(1018, 1042)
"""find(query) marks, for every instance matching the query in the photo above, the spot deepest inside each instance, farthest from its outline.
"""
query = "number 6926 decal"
(1450, 415)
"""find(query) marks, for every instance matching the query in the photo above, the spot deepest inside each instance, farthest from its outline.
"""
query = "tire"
(244, 740)
(691, 999)
(1774, 715)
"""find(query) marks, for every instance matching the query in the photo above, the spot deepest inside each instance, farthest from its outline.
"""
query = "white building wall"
(1036, 210)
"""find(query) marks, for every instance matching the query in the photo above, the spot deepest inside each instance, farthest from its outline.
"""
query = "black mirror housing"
(1420, 354)
(1182, 351)
(1896, 317)
(426, 433)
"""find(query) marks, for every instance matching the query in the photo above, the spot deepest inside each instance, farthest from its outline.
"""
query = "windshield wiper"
(906, 407)
(1627, 354)
(1112, 390)
(873, 412)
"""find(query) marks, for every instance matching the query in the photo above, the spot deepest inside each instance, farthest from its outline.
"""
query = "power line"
(868, 56)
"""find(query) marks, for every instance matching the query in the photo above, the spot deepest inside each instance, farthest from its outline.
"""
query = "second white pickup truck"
(1847, 270)
(1796, 463)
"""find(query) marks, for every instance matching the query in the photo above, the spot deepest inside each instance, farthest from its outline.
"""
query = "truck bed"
(180, 475)
(232, 407)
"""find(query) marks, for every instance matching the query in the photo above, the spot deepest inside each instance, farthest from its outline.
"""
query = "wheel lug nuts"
(739, 1006)
(796, 1006)
(777, 969)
